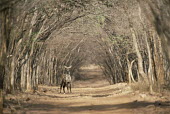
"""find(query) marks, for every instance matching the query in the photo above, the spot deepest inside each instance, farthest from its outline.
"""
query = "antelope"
(66, 81)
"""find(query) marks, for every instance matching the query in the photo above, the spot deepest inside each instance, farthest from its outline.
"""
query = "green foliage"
(101, 20)
(107, 3)
(76, 3)
(119, 40)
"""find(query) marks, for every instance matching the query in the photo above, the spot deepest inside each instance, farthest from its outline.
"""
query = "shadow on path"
(67, 106)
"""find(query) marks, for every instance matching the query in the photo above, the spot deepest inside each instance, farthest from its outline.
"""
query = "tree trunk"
(28, 67)
(23, 78)
(150, 70)
(1, 101)
(12, 74)
(130, 75)
(129, 71)
(158, 62)
(140, 60)
(4, 38)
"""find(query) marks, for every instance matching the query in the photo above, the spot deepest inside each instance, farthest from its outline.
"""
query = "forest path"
(91, 95)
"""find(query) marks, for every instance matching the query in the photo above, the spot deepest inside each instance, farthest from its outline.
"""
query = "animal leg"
(70, 87)
(61, 85)
(67, 88)
(64, 88)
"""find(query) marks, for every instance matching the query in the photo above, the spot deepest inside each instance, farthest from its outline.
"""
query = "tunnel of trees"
(39, 37)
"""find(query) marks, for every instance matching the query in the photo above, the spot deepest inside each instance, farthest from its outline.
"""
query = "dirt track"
(92, 95)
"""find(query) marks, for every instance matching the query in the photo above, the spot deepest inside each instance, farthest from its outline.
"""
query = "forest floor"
(90, 95)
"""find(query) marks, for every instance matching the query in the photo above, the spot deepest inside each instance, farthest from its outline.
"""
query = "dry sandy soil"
(91, 95)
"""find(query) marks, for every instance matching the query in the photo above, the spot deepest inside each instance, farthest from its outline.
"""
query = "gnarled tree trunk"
(140, 60)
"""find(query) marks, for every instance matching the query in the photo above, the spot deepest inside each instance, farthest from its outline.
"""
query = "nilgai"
(65, 82)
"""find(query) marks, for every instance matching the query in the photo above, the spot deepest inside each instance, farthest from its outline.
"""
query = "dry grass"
(143, 87)
(140, 86)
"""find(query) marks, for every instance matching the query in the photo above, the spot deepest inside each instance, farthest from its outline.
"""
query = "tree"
(157, 12)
